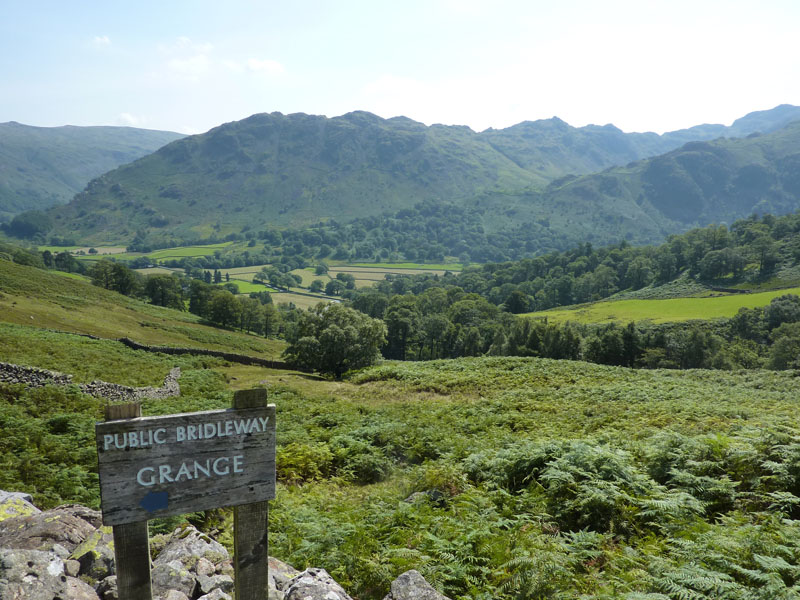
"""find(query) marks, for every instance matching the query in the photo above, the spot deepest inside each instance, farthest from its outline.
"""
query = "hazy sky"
(191, 65)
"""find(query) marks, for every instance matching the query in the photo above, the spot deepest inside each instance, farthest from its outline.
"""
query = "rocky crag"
(67, 553)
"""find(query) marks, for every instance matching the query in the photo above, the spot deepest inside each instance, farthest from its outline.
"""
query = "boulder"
(173, 595)
(216, 595)
(187, 543)
(16, 504)
(173, 575)
(314, 584)
(68, 526)
(280, 573)
(412, 586)
(38, 575)
(96, 554)
(107, 589)
(208, 584)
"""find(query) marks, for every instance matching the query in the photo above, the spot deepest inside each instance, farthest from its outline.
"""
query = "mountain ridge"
(275, 170)
(44, 166)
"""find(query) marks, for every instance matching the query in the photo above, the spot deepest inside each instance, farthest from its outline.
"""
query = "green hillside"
(700, 183)
(44, 166)
(274, 170)
(54, 300)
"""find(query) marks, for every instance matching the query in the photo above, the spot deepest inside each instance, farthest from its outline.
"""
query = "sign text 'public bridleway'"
(160, 466)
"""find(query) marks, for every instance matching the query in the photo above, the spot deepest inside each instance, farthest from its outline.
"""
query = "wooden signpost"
(161, 466)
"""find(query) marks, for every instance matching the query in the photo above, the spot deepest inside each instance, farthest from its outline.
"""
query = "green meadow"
(669, 310)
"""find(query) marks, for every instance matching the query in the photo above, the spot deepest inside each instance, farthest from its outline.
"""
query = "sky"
(188, 66)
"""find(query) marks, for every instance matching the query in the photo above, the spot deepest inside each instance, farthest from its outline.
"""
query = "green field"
(452, 267)
(661, 311)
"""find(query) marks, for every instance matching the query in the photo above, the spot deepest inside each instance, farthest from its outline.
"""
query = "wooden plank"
(250, 527)
(159, 466)
(255, 398)
(251, 551)
(131, 540)
(132, 557)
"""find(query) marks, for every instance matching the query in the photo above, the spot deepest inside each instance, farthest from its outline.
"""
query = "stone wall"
(229, 356)
(33, 377)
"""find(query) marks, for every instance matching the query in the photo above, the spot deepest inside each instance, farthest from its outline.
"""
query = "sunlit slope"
(52, 300)
(671, 310)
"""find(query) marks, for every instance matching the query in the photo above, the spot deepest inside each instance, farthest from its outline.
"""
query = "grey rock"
(38, 575)
(68, 526)
(107, 589)
(216, 595)
(187, 542)
(209, 584)
(96, 555)
(314, 584)
(280, 573)
(72, 567)
(167, 576)
(4, 495)
(412, 586)
(16, 504)
(204, 567)
(173, 595)
(80, 590)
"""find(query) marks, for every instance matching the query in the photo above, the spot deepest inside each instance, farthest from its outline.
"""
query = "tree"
(333, 339)
(402, 324)
(316, 286)
(224, 309)
(30, 224)
(334, 287)
(164, 290)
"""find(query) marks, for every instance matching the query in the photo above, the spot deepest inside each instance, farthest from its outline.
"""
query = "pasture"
(670, 310)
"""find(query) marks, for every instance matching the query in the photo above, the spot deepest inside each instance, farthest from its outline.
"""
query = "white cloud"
(270, 67)
(101, 41)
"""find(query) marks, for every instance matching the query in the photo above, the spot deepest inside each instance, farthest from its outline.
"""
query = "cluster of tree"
(445, 321)
(219, 305)
(751, 249)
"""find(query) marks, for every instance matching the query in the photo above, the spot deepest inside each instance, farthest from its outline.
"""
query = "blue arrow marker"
(154, 501)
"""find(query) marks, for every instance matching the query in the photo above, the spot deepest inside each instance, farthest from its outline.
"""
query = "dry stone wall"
(33, 377)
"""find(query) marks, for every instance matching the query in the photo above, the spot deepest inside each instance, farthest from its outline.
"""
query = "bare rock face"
(67, 526)
(314, 584)
(412, 586)
(38, 575)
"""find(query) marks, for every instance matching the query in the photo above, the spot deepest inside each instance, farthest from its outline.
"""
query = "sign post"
(161, 466)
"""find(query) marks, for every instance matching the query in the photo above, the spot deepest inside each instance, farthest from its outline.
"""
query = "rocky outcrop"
(53, 554)
(33, 377)
(38, 575)
(65, 527)
(314, 584)
(412, 586)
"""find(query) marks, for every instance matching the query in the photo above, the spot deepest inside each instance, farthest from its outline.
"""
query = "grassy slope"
(668, 310)
(49, 300)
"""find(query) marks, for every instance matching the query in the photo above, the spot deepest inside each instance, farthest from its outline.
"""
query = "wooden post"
(250, 524)
(131, 540)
